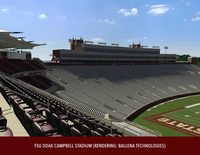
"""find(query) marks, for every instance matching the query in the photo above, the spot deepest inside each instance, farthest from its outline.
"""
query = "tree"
(183, 57)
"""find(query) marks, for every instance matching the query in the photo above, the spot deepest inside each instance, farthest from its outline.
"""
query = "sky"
(171, 23)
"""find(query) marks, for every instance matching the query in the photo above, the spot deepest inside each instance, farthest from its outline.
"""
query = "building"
(82, 52)
(192, 60)
(12, 47)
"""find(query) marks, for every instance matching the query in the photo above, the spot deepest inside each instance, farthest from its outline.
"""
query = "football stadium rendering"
(96, 90)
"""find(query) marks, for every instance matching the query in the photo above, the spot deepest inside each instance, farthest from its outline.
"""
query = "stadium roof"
(8, 41)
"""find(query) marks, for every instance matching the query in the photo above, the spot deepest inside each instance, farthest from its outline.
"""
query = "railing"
(133, 131)
(154, 132)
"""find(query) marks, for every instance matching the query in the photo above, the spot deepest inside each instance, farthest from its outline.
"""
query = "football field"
(179, 117)
(188, 115)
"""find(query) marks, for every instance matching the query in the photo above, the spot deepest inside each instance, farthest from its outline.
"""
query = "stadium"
(96, 90)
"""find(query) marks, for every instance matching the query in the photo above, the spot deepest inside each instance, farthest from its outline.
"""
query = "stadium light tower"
(166, 48)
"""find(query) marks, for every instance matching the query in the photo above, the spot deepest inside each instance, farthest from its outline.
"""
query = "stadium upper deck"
(83, 53)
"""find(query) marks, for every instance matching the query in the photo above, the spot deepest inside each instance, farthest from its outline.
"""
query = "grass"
(179, 114)
(190, 115)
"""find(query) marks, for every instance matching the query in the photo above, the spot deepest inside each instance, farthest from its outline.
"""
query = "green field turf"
(187, 115)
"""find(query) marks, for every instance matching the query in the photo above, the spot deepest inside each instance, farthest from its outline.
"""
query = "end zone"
(175, 124)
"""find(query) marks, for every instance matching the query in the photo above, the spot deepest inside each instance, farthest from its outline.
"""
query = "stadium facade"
(83, 52)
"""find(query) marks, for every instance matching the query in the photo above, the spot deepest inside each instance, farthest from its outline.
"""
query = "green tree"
(183, 57)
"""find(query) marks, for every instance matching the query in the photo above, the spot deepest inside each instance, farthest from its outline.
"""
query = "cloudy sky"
(172, 23)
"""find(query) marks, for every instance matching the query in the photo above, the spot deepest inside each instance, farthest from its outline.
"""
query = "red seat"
(43, 128)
